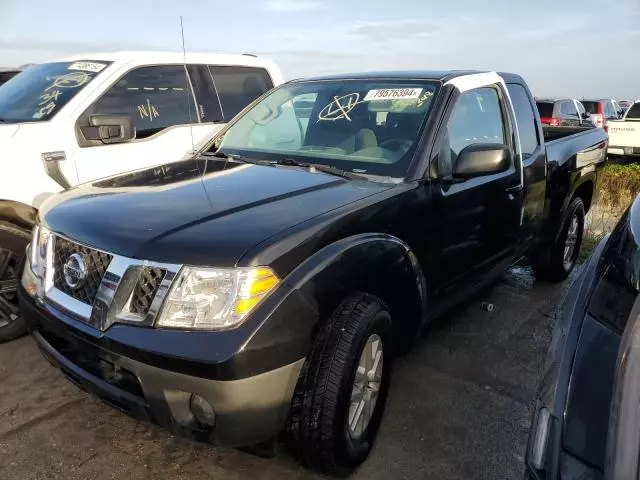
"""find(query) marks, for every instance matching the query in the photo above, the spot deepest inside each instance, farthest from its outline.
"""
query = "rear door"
(238, 86)
(534, 161)
(476, 220)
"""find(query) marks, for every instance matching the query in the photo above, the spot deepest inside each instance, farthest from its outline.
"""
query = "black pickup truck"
(267, 284)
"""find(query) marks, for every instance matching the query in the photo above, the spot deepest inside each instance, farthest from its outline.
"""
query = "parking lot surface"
(459, 408)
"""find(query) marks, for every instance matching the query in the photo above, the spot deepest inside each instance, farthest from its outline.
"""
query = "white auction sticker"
(393, 94)
(87, 66)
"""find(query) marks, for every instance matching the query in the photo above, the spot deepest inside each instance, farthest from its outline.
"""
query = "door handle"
(514, 189)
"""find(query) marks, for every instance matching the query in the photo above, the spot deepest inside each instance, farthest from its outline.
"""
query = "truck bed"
(579, 144)
(554, 133)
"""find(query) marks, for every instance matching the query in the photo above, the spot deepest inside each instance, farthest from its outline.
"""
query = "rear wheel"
(557, 262)
(341, 395)
(13, 242)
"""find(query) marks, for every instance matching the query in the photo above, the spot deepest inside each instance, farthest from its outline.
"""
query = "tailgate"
(624, 133)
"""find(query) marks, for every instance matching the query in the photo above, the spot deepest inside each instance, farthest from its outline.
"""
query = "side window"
(581, 109)
(569, 109)
(237, 87)
(154, 97)
(525, 117)
(476, 118)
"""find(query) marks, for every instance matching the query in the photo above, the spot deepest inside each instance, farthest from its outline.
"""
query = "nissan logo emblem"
(75, 271)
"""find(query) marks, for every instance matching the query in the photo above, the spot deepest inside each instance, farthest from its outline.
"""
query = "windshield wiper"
(290, 162)
(238, 158)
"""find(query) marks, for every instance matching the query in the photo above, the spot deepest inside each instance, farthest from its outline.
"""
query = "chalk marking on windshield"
(47, 97)
(423, 98)
(69, 80)
(340, 107)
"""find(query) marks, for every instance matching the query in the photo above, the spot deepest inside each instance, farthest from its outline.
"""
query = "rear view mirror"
(481, 159)
(110, 128)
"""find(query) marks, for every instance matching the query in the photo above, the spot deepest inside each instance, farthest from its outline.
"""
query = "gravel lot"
(459, 408)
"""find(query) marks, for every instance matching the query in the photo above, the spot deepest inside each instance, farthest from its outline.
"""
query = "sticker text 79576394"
(392, 94)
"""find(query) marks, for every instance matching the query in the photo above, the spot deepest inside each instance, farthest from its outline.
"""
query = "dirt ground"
(459, 408)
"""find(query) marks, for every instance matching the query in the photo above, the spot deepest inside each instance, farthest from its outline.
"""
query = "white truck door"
(160, 103)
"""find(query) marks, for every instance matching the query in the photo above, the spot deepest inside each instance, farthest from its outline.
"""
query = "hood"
(198, 212)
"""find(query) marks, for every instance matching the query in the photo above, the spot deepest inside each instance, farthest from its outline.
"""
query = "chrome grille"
(96, 263)
(145, 290)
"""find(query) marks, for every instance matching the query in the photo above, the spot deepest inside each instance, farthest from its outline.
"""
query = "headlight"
(215, 299)
(34, 284)
(38, 254)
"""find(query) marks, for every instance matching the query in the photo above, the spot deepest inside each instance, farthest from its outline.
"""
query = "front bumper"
(248, 410)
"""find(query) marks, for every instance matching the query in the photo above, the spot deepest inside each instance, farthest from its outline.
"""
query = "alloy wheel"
(571, 243)
(366, 387)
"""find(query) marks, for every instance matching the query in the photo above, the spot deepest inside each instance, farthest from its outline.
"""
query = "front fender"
(374, 263)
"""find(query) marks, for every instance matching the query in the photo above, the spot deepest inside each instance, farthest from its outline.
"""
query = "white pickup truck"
(624, 135)
(74, 120)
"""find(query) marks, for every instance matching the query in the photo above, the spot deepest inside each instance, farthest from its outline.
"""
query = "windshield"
(39, 92)
(361, 126)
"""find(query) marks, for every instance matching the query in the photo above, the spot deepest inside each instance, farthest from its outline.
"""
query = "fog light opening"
(202, 411)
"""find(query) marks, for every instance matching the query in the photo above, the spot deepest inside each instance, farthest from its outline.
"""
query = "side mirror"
(481, 159)
(110, 128)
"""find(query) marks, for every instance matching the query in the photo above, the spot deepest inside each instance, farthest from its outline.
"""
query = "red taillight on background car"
(554, 122)
(598, 118)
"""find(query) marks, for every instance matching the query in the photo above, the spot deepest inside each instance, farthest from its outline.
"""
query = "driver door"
(160, 102)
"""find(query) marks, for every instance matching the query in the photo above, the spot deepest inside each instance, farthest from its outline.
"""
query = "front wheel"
(341, 395)
(556, 262)
(13, 242)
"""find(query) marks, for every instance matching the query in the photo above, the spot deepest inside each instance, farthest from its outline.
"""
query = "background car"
(572, 415)
(567, 112)
(601, 111)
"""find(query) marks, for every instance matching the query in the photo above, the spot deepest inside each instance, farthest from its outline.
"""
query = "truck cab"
(81, 118)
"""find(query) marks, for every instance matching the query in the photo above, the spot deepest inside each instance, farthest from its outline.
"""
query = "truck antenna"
(184, 58)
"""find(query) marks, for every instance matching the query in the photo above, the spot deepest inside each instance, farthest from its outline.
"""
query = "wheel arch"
(378, 264)
(585, 190)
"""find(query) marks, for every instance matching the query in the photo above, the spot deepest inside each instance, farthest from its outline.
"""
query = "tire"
(318, 428)
(13, 242)
(551, 264)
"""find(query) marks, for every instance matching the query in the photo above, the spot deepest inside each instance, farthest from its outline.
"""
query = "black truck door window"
(534, 163)
(477, 218)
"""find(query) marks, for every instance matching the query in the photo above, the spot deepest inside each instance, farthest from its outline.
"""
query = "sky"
(575, 48)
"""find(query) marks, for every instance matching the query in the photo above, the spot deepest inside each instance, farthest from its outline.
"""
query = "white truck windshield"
(39, 92)
(362, 126)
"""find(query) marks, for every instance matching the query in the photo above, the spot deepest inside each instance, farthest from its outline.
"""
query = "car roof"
(439, 75)
(170, 57)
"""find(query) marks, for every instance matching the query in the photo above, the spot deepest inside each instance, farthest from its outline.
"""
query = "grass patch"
(618, 186)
